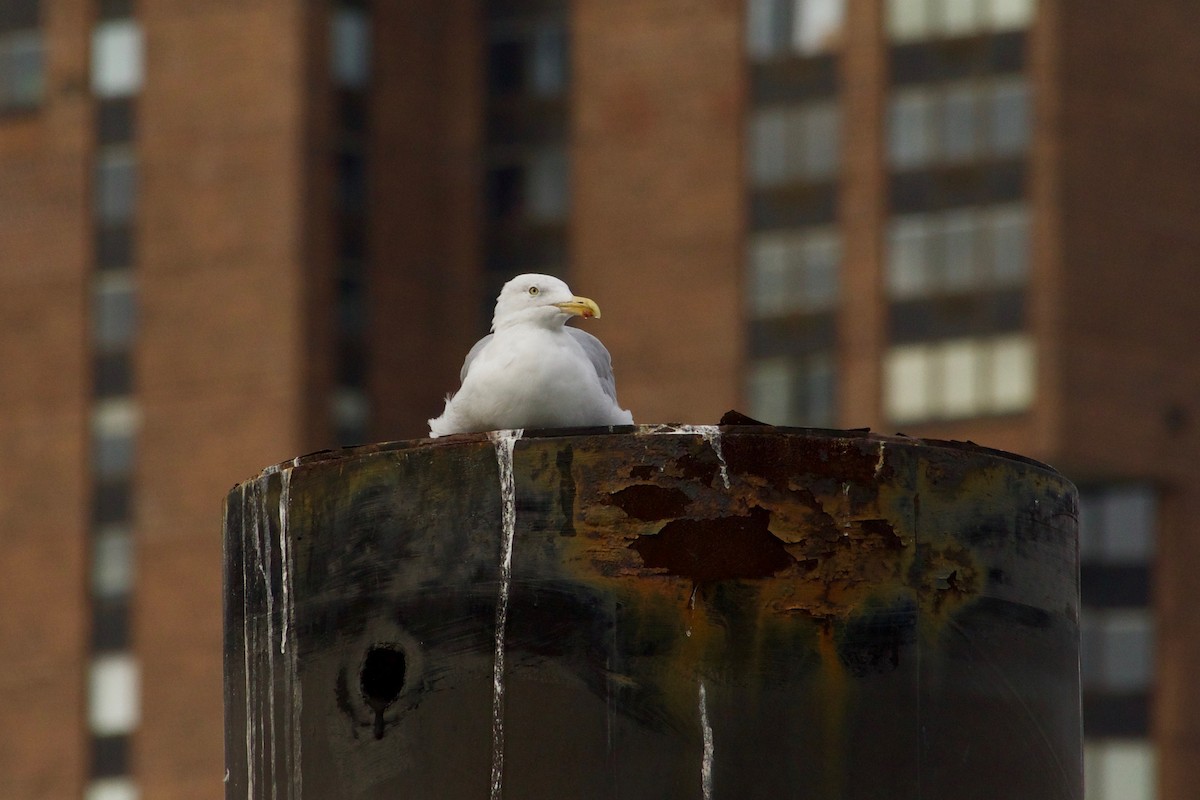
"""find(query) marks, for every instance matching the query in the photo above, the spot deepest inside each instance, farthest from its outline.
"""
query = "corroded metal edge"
(658, 429)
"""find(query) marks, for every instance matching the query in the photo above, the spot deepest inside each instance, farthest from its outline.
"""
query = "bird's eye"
(533, 291)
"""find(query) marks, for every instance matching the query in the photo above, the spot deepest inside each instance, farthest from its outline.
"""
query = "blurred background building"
(234, 232)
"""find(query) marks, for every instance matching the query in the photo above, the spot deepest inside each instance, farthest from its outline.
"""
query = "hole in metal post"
(381, 679)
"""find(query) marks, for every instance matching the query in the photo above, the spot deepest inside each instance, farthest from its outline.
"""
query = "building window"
(546, 185)
(782, 28)
(114, 311)
(1116, 524)
(792, 390)
(959, 122)
(111, 789)
(114, 428)
(794, 271)
(110, 756)
(959, 378)
(113, 707)
(115, 186)
(528, 57)
(964, 250)
(794, 144)
(22, 57)
(1119, 769)
(1117, 650)
(350, 47)
(112, 562)
(117, 58)
(22, 69)
(548, 67)
(351, 412)
(1008, 121)
(915, 20)
(112, 375)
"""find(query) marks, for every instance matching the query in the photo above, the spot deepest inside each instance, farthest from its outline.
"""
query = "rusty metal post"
(742, 612)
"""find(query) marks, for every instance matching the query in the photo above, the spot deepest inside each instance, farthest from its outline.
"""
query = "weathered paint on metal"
(868, 616)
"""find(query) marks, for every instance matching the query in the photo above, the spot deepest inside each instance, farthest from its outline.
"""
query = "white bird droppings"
(504, 442)
(706, 760)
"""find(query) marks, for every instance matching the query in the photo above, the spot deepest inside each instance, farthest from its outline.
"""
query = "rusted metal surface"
(852, 616)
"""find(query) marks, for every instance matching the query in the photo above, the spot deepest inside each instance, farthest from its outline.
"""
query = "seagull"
(533, 371)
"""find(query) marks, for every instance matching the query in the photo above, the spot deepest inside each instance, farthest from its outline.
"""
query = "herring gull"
(533, 371)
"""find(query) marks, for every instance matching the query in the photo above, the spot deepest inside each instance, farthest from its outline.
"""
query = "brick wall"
(657, 194)
(218, 363)
(43, 428)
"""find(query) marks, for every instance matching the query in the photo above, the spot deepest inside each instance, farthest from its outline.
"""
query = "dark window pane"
(793, 206)
(110, 625)
(941, 60)
(352, 305)
(504, 192)
(794, 79)
(113, 375)
(975, 184)
(352, 181)
(114, 247)
(110, 756)
(352, 111)
(1115, 586)
(18, 15)
(1007, 52)
(116, 9)
(957, 316)
(351, 364)
(506, 66)
(1106, 715)
(352, 237)
(114, 120)
(112, 502)
(792, 336)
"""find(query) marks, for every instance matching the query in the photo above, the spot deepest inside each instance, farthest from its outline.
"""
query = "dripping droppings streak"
(504, 442)
(252, 507)
(706, 761)
(285, 556)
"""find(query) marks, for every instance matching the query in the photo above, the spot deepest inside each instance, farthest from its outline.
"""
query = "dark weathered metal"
(853, 616)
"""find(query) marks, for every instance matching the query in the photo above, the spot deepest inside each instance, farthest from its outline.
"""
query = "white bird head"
(539, 299)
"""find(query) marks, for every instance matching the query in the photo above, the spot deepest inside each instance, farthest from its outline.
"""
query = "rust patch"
(726, 548)
(860, 462)
(703, 470)
(651, 503)
(644, 472)
(882, 530)
(948, 578)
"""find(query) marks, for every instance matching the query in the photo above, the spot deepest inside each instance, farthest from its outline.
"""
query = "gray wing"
(598, 355)
(482, 343)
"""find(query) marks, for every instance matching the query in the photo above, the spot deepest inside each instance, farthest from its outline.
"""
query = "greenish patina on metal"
(734, 612)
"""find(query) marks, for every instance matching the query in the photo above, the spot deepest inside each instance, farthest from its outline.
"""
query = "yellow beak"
(580, 306)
